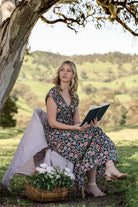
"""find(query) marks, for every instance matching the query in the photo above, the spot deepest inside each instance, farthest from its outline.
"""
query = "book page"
(104, 104)
(93, 107)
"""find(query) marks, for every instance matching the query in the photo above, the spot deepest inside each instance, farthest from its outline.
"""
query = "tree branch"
(68, 21)
(114, 9)
(59, 20)
(126, 27)
(65, 20)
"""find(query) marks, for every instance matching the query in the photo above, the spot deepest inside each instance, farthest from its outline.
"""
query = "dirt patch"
(112, 199)
(74, 199)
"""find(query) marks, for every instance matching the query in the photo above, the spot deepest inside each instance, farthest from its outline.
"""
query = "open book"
(95, 111)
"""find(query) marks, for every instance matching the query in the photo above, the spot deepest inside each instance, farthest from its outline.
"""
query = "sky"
(62, 40)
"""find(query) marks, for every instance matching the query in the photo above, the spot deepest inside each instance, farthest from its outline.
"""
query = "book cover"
(95, 111)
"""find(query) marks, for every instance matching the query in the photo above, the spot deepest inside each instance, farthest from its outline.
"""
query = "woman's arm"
(76, 117)
(52, 112)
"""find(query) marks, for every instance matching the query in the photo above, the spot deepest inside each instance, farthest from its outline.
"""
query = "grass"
(23, 107)
(126, 141)
(39, 88)
(124, 98)
(130, 81)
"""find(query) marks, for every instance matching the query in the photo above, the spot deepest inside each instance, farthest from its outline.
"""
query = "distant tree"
(122, 88)
(123, 118)
(84, 75)
(9, 110)
(89, 89)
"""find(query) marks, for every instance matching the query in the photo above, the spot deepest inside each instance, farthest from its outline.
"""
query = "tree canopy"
(124, 12)
(80, 12)
(18, 17)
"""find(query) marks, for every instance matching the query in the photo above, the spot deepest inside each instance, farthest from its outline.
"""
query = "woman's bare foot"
(93, 189)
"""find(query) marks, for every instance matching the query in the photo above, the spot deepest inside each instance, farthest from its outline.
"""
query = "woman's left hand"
(93, 123)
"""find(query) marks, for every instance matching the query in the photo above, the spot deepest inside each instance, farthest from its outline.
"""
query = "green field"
(98, 73)
(119, 193)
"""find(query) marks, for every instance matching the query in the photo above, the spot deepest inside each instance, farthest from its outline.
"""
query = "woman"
(91, 150)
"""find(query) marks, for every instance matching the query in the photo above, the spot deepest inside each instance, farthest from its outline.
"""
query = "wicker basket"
(58, 194)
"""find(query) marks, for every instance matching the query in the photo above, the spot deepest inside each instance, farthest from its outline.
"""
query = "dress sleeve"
(52, 93)
(77, 100)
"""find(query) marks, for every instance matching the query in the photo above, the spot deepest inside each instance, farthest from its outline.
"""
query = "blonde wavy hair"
(74, 82)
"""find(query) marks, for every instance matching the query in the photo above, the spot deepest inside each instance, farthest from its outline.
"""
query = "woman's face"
(66, 73)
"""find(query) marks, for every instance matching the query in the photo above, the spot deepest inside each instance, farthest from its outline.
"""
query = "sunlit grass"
(39, 88)
(129, 81)
(124, 98)
(124, 137)
(23, 107)
(126, 140)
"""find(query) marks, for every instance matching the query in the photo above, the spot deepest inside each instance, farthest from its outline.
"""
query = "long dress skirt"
(87, 149)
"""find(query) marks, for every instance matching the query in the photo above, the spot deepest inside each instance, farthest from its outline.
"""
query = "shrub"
(8, 112)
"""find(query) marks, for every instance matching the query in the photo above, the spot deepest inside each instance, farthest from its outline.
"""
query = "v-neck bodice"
(64, 112)
(66, 102)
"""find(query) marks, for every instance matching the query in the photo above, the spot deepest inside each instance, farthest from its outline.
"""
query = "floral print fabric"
(86, 149)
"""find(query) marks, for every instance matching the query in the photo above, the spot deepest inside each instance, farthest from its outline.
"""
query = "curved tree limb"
(65, 20)
(126, 27)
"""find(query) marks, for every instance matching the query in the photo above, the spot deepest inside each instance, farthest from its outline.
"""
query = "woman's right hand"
(94, 122)
(81, 128)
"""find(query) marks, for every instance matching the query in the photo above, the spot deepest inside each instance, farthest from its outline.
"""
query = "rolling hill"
(111, 77)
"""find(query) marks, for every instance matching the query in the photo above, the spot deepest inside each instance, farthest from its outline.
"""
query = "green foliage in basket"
(49, 177)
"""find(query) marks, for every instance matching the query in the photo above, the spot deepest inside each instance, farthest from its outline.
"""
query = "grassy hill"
(111, 77)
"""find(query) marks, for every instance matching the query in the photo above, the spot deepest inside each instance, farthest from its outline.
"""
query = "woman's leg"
(92, 187)
(112, 172)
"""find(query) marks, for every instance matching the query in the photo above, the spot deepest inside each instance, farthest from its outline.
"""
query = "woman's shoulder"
(53, 91)
(76, 99)
(76, 96)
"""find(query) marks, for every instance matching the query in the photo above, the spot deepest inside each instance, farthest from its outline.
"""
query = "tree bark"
(14, 34)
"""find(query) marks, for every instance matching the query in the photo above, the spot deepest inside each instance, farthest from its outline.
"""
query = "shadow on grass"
(12, 132)
(8, 133)
(118, 192)
(24, 109)
(118, 128)
(74, 199)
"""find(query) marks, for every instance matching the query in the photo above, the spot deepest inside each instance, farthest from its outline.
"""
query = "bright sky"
(60, 39)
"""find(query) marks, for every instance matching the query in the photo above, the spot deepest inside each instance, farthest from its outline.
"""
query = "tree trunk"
(14, 34)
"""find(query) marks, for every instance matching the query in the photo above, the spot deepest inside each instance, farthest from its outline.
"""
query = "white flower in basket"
(49, 184)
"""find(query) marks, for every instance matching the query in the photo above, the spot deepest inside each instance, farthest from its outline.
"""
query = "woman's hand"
(81, 128)
(85, 125)
(93, 123)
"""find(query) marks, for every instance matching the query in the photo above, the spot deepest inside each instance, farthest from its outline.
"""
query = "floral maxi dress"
(87, 149)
